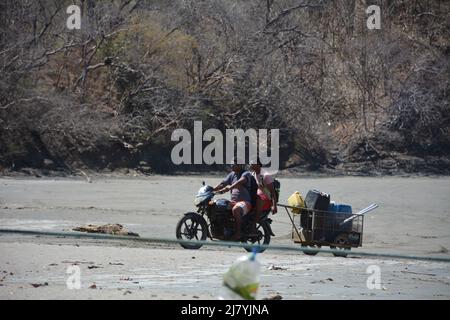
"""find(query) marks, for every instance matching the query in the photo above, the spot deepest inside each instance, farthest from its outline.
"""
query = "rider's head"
(255, 165)
(235, 166)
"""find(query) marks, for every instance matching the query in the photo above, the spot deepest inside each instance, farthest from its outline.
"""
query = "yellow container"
(296, 200)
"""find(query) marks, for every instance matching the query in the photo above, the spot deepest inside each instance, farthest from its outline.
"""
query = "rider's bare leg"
(237, 213)
(257, 213)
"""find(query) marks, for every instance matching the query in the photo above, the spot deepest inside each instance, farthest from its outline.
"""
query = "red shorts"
(267, 203)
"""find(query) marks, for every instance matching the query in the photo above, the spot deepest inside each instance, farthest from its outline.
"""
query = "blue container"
(339, 208)
(342, 212)
(332, 207)
(344, 208)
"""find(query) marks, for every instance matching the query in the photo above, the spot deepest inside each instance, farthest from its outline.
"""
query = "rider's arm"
(238, 183)
(224, 183)
(273, 196)
(220, 186)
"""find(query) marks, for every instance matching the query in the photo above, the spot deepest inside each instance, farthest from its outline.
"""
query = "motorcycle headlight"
(198, 200)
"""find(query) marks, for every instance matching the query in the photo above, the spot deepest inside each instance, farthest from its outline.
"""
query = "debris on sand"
(274, 297)
(94, 286)
(93, 267)
(273, 267)
(420, 273)
(37, 285)
(75, 263)
(115, 229)
(443, 250)
(322, 281)
(126, 279)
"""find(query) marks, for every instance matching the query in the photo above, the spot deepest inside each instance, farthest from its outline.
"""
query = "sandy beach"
(413, 218)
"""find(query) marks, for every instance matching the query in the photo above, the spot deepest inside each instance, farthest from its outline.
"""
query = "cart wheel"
(312, 252)
(342, 244)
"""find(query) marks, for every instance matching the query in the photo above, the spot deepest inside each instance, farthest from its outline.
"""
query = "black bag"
(317, 200)
(253, 190)
(252, 187)
(276, 186)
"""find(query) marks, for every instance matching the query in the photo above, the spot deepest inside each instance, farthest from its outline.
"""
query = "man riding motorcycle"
(238, 182)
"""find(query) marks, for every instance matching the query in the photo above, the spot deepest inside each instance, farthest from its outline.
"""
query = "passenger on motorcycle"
(266, 196)
(237, 181)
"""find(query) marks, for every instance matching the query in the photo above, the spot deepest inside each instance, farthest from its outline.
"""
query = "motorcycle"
(215, 220)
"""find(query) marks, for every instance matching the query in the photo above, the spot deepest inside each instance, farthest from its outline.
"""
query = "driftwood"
(89, 180)
(115, 229)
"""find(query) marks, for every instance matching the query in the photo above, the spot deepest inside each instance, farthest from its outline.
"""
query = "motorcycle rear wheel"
(263, 231)
(192, 226)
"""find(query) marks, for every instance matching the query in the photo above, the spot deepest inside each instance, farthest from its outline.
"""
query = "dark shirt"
(240, 193)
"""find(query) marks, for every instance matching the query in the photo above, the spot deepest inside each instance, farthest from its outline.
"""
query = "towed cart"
(313, 229)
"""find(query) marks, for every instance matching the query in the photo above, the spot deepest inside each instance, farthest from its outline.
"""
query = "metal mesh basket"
(324, 226)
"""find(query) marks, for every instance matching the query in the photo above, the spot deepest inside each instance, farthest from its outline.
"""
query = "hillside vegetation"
(108, 96)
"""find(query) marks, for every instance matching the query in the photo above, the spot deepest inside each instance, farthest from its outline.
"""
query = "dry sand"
(413, 218)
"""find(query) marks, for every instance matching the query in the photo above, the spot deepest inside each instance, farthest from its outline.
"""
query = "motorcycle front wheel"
(262, 237)
(192, 227)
